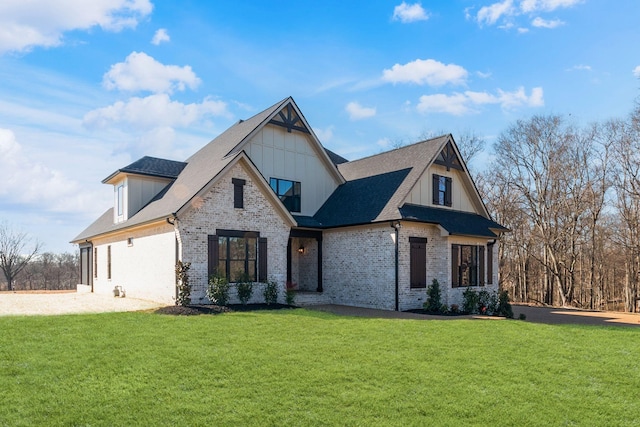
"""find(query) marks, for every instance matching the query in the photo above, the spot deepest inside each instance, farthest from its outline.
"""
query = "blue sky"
(89, 87)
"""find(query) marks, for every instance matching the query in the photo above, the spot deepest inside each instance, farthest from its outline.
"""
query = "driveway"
(16, 304)
(553, 316)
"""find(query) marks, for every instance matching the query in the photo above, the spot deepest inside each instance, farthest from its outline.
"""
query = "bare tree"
(14, 255)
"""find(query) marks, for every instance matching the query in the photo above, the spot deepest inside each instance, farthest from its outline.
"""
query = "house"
(265, 198)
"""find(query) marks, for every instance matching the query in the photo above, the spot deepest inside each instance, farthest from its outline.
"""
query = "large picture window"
(237, 254)
(467, 265)
(288, 192)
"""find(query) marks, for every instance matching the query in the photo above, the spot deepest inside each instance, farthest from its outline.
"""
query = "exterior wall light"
(301, 250)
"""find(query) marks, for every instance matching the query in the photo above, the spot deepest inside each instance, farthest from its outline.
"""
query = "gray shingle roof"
(152, 166)
(201, 168)
(416, 157)
(360, 201)
(455, 222)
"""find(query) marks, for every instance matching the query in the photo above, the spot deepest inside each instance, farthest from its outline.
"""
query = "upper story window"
(288, 192)
(441, 190)
(120, 200)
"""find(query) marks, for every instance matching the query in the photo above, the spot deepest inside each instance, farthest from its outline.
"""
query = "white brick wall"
(359, 266)
(215, 211)
(145, 270)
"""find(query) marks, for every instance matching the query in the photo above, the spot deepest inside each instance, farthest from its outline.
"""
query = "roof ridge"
(400, 148)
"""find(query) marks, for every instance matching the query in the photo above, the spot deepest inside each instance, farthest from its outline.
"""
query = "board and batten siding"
(292, 156)
(422, 193)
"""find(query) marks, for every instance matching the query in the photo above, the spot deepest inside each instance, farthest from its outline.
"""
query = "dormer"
(138, 183)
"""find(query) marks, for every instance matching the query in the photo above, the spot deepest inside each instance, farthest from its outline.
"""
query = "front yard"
(298, 367)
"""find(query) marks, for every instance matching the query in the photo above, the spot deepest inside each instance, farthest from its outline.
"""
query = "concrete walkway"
(29, 304)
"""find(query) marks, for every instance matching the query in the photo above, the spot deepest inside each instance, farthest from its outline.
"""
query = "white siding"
(141, 190)
(292, 156)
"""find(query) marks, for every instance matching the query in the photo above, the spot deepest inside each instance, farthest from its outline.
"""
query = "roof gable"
(150, 166)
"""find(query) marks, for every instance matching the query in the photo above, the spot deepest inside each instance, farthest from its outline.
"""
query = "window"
(233, 254)
(441, 190)
(109, 262)
(120, 200)
(418, 262)
(467, 265)
(238, 192)
(288, 192)
(85, 265)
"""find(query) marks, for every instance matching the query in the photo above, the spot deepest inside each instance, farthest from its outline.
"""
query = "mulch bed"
(194, 310)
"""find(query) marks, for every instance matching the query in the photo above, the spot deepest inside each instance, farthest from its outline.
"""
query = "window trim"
(478, 278)
(446, 199)
(296, 196)
(260, 267)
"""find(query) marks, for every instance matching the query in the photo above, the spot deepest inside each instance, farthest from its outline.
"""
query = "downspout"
(172, 220)
(396, 226)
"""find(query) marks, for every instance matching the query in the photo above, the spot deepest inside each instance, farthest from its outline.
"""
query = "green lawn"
(297, 367)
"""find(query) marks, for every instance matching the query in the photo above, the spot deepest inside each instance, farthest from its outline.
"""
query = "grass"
(297, 367)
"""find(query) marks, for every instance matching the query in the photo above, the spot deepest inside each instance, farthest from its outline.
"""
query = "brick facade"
(214, 211)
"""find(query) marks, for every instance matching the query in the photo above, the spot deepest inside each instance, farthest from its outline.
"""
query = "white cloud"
(459, 104)
(140, 72)
(152, 112)
(27, 24)
(507, 11)
(29, 182)
(160, 36)
(580, 67)
(636, 71)
(358, 112)
(426, 71)
(324, 135)
(543, 23)
(409, 13)
(530, 6)
(490, 14)
(522, 30)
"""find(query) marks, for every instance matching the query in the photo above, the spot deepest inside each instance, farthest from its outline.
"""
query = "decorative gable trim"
(289, 120)
(288, 115)
(448, 158)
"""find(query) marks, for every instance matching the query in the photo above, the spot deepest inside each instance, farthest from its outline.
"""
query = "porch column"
(319, 241)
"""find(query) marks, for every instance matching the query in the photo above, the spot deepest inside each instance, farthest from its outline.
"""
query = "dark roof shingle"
(455, 222)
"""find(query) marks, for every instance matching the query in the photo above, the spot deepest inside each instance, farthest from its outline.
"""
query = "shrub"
(291, 293)
(182, 279)
(484, 302)
(271, 292)
(504, 307)
(244, 287)
(455, 309)
(522, 316)
(470, 301)
(218, 290)
(433, 304)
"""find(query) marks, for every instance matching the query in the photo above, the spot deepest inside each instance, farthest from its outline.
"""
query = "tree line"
(25, 268)
(571, 198)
